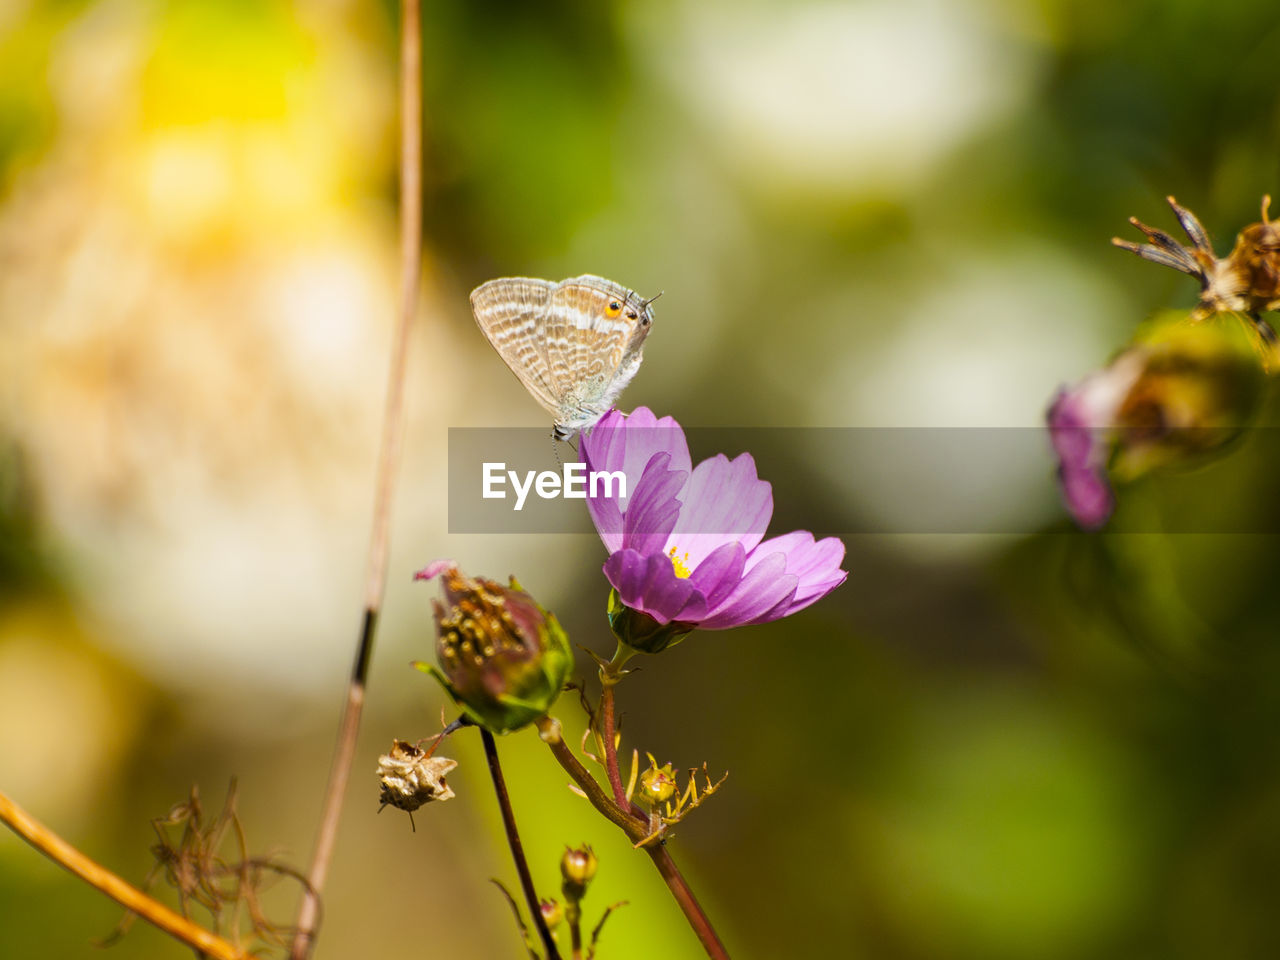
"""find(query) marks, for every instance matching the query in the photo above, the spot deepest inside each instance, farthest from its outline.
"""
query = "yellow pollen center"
(681, 563)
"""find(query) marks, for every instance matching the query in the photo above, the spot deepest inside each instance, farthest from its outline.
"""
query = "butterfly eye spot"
(631, 315)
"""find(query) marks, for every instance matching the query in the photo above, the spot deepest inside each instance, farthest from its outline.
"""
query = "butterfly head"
(629, 307)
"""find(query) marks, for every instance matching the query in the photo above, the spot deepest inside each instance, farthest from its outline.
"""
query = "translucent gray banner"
(845, 481)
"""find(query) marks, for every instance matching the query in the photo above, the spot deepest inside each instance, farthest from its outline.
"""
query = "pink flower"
(1181, 394)
(1082, 421)
(686, 544)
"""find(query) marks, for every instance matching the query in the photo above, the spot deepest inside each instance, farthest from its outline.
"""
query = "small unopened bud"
(552, 912)
(658, 784)
(503, 659)
(410, 778)
(577, 867)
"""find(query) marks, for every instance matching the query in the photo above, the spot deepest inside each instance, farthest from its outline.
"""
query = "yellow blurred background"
(882, 213)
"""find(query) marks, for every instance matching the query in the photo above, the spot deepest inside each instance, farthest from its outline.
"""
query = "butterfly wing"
(593, 334)
(510, 313)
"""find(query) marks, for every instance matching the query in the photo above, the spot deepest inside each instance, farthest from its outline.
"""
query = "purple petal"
(652, 509)
(720, 573)
(1082, 453)
(783, 608)
(1082, 427)
(434, 569)
(813, 592)
(815, 564)
(628, 443)
(724, 502)
(1071, 436)
(608, 520)
(649, 584)
(1082, 422)
(1087, 495)
(761, 590)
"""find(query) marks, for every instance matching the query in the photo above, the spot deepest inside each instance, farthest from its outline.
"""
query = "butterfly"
(575, 345)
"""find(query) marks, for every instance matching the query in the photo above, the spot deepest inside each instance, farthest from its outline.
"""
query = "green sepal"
(640, 631)
(534, 685)
(1202, 380)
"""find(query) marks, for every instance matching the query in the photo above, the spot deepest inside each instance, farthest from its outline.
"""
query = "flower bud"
(1200, 386)
(1181, 393)
(577, 867)
(552, 912)
(503, 659)
(410, 778)
(658, 784)
(640, 631)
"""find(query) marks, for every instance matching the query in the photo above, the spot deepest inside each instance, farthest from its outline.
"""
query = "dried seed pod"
(1246, 282)
(410, 778)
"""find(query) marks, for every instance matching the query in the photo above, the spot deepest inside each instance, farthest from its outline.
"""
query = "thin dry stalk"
(388, 464)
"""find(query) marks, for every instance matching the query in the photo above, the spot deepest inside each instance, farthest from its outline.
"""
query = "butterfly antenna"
(645, 303)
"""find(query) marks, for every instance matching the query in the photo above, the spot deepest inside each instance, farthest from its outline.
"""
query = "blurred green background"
(882, 213)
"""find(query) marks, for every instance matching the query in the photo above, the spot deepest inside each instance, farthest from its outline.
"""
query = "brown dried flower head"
(1246, 281)
(410, 777)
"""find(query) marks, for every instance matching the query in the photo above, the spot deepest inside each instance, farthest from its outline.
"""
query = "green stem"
(517, 848)
(636, 830)
(573, 913)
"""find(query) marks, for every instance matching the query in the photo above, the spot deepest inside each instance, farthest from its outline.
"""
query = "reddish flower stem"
(636, 830)
(610, 747)
(693, 911)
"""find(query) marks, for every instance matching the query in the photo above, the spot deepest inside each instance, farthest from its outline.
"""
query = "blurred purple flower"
(1081, 424)
(1179, 395)
(686, 544)
(1085, 488)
